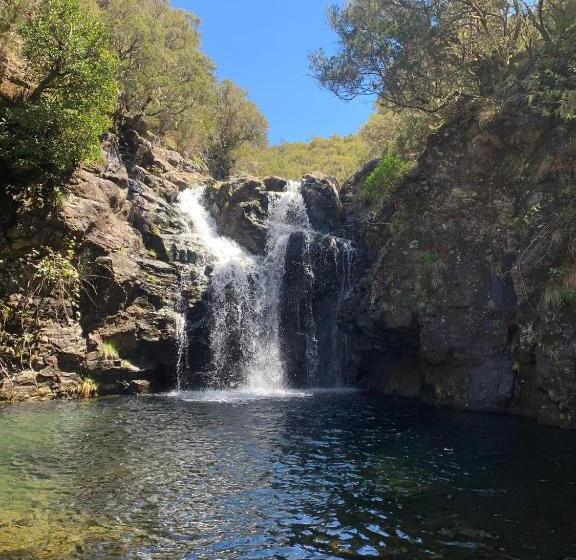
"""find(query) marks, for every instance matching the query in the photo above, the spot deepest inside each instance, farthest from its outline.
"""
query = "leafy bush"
(386, 177)
(57, 121)
(236, 122)
(551, 86)
(166, 81)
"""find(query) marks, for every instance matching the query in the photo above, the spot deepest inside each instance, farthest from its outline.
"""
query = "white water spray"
(245, 292)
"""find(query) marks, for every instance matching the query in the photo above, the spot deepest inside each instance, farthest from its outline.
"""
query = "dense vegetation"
(430, 57)
(56, 118)
(71, 69)
(386, 132)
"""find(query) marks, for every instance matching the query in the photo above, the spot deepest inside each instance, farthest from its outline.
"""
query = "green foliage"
(392, 132)
(556, 297)
(561, 288)
(428, 55)
(338, 156)
(58, 121)
(386, 177)
(551, 85)
(386, 132)
(236, 122)
(12, 14)
(166, 80)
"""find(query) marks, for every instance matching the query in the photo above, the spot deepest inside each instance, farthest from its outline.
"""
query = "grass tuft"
(108, 350)
(87, 388)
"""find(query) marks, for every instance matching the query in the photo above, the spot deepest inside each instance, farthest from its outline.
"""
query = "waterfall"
(286, 215)
(246, 295)
(232, 270)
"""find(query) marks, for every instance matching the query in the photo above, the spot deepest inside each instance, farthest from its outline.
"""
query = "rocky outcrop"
(320, 193)
(467, 302)
(137, 273)
(240, 208)
(316, 280)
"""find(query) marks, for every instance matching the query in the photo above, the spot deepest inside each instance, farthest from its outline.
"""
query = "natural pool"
(294, 475)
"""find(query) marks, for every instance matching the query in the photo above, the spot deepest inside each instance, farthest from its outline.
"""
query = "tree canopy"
(165, 78)
(58, 118)
(429, 54)
(236, 121)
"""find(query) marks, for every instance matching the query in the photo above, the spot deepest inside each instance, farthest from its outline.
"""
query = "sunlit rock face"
(240, 208)
(132, 253)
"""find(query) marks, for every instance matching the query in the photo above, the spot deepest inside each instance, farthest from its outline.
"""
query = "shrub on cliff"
(386, 177)
(57, 121)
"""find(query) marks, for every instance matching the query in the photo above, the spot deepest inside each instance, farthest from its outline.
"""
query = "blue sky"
(263, 46)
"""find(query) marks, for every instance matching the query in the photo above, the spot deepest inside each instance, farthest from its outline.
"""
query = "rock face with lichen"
(467, 296)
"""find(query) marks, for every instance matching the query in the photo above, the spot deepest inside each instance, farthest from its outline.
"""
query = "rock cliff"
(467, 293)
(458, 288)
(128, 237)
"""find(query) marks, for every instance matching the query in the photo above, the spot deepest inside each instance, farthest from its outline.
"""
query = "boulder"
(320, 193)
(275, 184)
(240, 207)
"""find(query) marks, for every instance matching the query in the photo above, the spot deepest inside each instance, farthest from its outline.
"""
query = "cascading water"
(231, 290)
(287, 213)
(246, 295)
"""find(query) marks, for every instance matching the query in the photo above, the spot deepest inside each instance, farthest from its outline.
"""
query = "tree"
(166, 80)
(425, 54)
(57, 121)
(236, 122)
(402, 133)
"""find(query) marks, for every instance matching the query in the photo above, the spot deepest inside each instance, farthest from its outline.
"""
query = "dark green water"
(317, 476)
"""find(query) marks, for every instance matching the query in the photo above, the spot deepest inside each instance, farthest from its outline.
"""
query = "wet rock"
(240, 207)
(275, 184)
(313, 287)
(140, 386)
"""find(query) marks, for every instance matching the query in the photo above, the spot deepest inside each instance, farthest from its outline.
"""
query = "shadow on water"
(303, 474)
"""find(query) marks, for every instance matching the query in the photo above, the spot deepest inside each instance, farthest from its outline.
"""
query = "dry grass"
(87, 389)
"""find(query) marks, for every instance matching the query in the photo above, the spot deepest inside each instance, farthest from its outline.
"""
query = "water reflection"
(305, 475)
